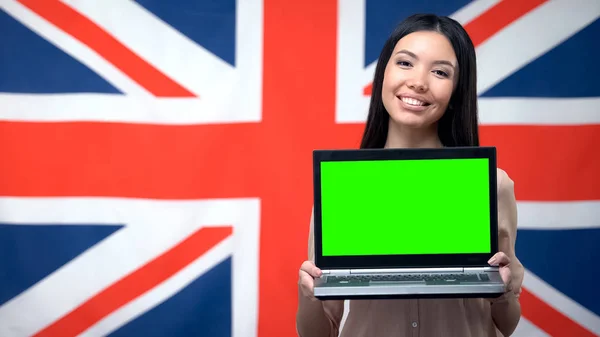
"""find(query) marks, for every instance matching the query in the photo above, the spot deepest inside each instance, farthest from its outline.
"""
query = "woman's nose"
(418, 82)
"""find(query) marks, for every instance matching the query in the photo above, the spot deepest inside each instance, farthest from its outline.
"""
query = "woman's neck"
(407, 137)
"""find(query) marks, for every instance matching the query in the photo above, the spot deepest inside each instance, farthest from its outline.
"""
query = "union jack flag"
(156, 155)
(541, 110)
(131, 260)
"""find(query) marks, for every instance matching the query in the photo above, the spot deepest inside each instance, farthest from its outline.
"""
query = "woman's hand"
(307, 274)
(501, 260)
(518, 273)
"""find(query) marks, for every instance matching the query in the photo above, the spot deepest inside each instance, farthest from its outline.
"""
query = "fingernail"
(492, 260)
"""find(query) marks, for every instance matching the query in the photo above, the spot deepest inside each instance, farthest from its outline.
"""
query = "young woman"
(424, 95)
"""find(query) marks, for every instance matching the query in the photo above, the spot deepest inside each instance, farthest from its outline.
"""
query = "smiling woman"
(425, 80)
(418, 81)
(424, 96)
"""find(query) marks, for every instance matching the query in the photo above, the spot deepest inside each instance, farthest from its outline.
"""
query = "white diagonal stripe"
(231, 96)
(473, 10)
(464, 15)
(539, 111)
(561, 302)
(162, 292)
(531, 36)
(74, 283)
(171, 52)
(74, 48)
(152, 227)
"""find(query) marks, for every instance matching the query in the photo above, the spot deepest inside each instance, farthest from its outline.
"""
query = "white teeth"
(412, 101)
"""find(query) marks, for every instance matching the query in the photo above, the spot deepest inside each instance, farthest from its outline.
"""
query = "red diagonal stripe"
(491, 22)
(136, 283)
(497, 17)
(84, 30)
(549, 319)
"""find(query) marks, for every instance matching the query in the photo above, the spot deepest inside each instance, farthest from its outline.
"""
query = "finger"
(306, 282)
(506, 276)
(518, 291)
(311, 269)
(517, 286)
(499, 259)
(307, 285)
(508, 287)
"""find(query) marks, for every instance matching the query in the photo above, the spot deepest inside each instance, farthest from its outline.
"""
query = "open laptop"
(406, 223)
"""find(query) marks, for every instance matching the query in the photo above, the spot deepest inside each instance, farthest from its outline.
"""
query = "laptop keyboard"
(428, 278)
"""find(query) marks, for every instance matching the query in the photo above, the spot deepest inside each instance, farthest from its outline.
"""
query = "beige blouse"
(475, 317)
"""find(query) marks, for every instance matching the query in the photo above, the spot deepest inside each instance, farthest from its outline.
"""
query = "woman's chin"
(409, 120)
(412, 119)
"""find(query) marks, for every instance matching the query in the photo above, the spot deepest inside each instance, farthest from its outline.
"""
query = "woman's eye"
(403, 63)
(441, 73)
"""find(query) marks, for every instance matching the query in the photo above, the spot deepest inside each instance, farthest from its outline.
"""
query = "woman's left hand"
(501, 260)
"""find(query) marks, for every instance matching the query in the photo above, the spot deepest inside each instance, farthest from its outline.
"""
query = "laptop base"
(371, 287)
(408, 296)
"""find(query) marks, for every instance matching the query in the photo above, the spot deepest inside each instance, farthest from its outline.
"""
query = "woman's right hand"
(307, 274)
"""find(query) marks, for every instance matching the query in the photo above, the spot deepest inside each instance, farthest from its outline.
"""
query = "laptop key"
(410, 278)
(453, 279)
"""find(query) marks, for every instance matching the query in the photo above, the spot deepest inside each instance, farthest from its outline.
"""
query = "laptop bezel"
(404, 261)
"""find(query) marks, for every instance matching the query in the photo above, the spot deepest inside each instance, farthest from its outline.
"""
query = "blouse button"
(414, 324)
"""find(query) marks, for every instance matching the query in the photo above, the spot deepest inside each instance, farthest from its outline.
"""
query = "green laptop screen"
(425, 206)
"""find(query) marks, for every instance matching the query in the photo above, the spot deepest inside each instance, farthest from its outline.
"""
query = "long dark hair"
(459, 124)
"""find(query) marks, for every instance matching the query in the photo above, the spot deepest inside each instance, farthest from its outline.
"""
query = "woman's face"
(419, 79)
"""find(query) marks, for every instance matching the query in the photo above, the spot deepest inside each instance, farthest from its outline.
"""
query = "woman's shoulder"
(507, 203)
(506, 185)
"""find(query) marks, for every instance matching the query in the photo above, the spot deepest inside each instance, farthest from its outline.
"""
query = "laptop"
(406, 223)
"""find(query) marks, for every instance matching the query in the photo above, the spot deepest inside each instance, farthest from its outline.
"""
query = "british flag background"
(156, 155)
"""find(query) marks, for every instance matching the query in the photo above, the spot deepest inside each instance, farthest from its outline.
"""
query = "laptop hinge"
(336, 272)
(407, 270)
(480, 269)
